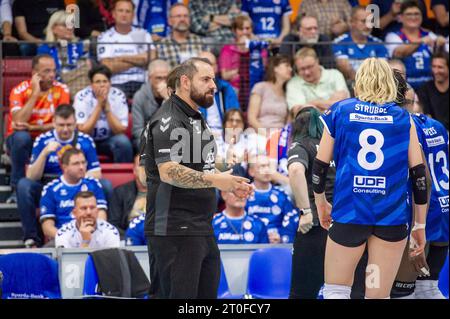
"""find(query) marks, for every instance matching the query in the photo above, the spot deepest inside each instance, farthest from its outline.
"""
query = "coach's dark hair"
(189, 69)
(37, 58)
(99, 69)
(172, 78)
(410, 4)
(440, 54)
(402, 87)
(65, 111)
(68, 152)
(307, 124)
(83, 194)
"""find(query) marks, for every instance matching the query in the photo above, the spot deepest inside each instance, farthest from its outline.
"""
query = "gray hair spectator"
(149, 97)
(181, 44)
(313, 84)
(87, 230)
(125, 50)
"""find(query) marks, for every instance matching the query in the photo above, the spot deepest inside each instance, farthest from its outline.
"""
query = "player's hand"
(306, 223)
(20, 126)
(324, 211)
(238, 185)
(52, 147)
(101, 96)
(417, 242)
(36, 84)
(420, 265)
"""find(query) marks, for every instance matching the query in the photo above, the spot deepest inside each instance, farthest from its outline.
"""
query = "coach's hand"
(238, 185)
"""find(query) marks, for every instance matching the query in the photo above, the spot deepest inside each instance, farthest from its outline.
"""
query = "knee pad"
(336, 291)
(403, 290)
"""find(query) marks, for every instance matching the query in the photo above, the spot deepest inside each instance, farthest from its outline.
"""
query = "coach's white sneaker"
(428, 289)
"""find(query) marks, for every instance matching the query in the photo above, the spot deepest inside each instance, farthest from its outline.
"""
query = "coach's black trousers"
(188, 267)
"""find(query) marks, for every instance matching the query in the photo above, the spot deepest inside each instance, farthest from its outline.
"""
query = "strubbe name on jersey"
(371, 109)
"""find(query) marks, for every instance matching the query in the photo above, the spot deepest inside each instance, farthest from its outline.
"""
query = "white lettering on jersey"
(375, 119)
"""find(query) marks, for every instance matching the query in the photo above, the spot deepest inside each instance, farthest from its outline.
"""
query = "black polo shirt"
(178, 133)
(304, 151)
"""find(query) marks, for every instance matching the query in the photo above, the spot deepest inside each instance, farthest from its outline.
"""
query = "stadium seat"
(14, 71)
(90, 278)
(29, 276)
(224, 290)
(269, 273)
(443, 279)
(117, 173)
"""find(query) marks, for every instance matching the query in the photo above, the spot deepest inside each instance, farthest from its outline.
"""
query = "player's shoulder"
(83, 137)
(83, 93)
(91, 181)
(105, 227)
(53, 185)
(108, 34)
(371, 38)
(42, 138)
(61, 86)
(218, 218)
(343, 38)
(21, 87)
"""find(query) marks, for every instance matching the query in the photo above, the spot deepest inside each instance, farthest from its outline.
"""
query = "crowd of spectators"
(95, 85)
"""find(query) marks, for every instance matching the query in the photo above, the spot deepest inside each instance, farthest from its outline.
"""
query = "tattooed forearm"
(184, 177)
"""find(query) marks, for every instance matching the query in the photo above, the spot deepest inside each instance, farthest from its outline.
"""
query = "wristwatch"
(305, 211)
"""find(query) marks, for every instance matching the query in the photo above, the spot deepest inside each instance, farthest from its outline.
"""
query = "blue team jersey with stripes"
(371, 155)
(434, 140)
(134, 235)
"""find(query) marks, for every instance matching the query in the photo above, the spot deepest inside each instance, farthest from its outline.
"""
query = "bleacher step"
(11, 231)
(9, 244)
(9, 212)
(5, 191)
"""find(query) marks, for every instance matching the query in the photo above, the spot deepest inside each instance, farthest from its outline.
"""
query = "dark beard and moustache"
(202, 100)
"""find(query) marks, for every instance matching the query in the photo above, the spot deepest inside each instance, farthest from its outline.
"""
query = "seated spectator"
(236, 60)
(213, 18)
(69, 53)
(129, 200)
(102, 112)
(234, 226)
(125, 50)
(135, 235)
(149, 98)
(350, 49)
(152, 15)
(433, 95)
(181, 44)
(225, 99)
(268, 108)
(270, 203)
(31, 20)
(87, 230)
(313, 84)
(58, 196)
(389, 11)
(417, 47)
(92, 23)
(440, 10)
(270, 18)
(45, 167)
(32, 104)
(237, 144)
(333, 15)
(308, 35)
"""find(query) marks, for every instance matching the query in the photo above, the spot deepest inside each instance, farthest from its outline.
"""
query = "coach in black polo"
(180, 165)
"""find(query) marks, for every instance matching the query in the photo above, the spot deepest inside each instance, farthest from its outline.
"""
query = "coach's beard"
(205, 100)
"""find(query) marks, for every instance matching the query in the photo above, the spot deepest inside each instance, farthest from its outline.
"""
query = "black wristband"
(319, 175)
(419, 184)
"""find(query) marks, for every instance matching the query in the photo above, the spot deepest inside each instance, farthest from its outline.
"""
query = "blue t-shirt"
(434, 140)
(57, 198)
(152, 15)
(267, 16)
(134, 235)
(371, 155)
(289, 226)
(84, 143)
(357, 53)
(270, 206)
(242, 230)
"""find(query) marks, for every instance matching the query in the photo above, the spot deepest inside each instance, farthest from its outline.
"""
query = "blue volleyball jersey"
(270, 206)
(57, 198)
(84, 143)
(267, 16)
(371, 155)
(243, 230)
(345, 48)
(434, 140)
(152, 15)
(418, 64)
(134, 235)
(289, 226)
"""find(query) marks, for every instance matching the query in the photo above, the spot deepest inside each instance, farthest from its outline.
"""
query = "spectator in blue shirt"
(350, 49)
